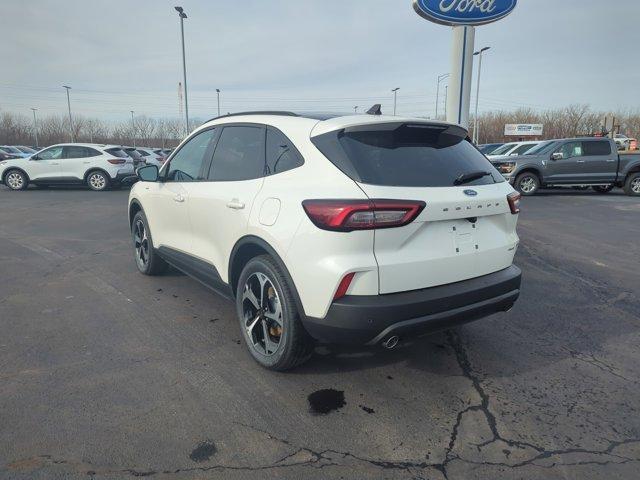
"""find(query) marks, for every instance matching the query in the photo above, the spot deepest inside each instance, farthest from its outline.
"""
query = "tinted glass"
(596, 148)
(408, 156)
(186, 164)
(487, 149)
(9, 149)
(52, 153)
(239, 154)
(523, 149)
(503, 149)
(571, 149)
(116, 152)
(73, 151)
(281, 154)
(26, 150)
(540, 148)
(143, 153)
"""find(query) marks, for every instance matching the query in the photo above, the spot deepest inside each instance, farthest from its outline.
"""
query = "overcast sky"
(306, 55)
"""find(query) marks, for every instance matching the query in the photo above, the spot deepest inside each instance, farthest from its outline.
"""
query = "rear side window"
(74, 151)
(406, 155)
(596, 148)
(186, 163)
(281, 154)
(239, 154)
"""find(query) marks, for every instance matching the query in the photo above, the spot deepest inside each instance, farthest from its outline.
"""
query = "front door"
(171, 226)
(45, 165)
(569, 168)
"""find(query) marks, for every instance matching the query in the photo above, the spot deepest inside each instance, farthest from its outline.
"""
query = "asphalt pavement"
(108, 374)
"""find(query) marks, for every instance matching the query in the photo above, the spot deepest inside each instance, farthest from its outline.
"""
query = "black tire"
(603, 189)
(632, 185)
(147, 260)
(294, 345)
(16, 180)
(98, 181)
(527, 183)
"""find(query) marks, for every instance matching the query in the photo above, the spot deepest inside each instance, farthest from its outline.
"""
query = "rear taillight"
(344, 285)
(349, 215)
(514, 202)
(116, 161)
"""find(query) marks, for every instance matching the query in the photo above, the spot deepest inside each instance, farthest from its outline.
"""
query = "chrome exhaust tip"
(391, 342)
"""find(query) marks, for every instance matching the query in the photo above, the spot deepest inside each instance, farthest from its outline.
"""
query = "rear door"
(220, 206)
(600, 162)
(466, 229)
(75, 161)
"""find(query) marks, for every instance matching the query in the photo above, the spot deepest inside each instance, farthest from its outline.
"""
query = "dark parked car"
(488, 148)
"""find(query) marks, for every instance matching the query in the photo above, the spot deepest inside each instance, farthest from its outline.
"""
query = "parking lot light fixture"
(441, 78)
(395, 99)
(182, 16)
(476, 123)
(133, 129)
(35, 126)
(69, 106)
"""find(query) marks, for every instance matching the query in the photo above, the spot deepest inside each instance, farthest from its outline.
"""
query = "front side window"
(186, 164)
(53, 153)
(571, 149)
(597, 148)
(281, 154)
(239, 154)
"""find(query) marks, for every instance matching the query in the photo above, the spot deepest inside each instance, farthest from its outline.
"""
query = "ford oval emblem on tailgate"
(471, 193)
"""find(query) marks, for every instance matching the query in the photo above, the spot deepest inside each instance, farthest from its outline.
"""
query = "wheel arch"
(530, 169)
(251, 246)
(9, 169)
(134, 207)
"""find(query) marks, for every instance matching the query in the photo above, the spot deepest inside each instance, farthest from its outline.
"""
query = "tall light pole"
(442, 77)
(69, 105)
(218, 92)
(133, 129)
(446, 99)
(395, 99)
(476, 136)
(35, 126)
(182, 16)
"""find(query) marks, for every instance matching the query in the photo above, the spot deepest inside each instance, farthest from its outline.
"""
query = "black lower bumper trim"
(371, 319)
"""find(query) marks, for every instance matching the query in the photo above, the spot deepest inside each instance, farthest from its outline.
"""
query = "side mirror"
(557, 156)
(148, 173)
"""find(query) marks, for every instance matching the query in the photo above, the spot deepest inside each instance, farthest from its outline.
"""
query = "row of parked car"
(96, 165)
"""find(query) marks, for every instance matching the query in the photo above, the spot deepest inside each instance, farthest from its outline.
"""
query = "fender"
(259, 242)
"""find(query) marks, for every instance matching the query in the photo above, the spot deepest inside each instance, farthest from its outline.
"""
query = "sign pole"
(459, 101)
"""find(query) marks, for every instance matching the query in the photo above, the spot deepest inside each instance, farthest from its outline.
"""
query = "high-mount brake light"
(514, 202)
(350, 215)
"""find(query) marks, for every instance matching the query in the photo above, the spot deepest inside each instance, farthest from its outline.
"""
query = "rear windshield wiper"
(470, 177)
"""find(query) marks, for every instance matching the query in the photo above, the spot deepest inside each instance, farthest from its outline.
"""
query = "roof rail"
(265, 112)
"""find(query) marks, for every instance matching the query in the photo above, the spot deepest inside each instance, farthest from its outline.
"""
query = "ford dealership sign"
(464, 12)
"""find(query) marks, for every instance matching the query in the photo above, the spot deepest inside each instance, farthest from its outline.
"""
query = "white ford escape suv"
(353, 229)
(97, 166)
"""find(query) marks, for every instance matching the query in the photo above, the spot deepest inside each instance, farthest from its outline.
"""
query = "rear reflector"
(349, 215)
(344, 286)
(514, 202)
(117, 161)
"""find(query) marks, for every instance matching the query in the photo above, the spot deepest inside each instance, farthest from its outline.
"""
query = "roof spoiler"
(375, 110)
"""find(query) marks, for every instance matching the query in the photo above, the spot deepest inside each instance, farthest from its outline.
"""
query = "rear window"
(116, 152)
(406, 155)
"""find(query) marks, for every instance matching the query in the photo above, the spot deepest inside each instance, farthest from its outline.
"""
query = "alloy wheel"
(141, 243)
(97, 181)
(262, 314)
(635, 185)
(15, 181)
(527, 185)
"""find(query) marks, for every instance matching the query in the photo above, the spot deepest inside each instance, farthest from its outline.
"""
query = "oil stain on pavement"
(322, 402)
(203, 452)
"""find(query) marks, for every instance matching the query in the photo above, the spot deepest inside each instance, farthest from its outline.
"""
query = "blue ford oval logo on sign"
(470, 193)
(464, 12)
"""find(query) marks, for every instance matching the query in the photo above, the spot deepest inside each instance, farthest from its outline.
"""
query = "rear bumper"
(371, 319)
(126, 177)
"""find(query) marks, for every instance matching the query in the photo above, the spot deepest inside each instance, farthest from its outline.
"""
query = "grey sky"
(322, 55)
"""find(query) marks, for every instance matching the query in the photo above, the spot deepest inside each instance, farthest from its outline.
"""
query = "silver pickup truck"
(575, 162)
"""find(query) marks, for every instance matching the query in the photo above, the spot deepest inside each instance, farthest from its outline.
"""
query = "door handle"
(610, 161)
(178, 198)
(235, 204)
(579, 161)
